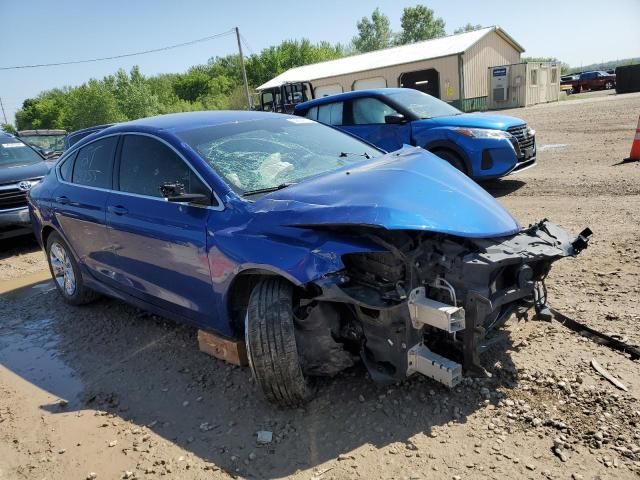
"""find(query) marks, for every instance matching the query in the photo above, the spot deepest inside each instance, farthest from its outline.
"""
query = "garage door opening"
(427, 81)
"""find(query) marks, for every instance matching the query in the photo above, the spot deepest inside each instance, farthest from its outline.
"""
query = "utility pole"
(3, 114)
(244, 71)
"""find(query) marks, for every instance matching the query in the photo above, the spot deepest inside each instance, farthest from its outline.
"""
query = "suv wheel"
(452, 158)
(271, 344)
(66, 273)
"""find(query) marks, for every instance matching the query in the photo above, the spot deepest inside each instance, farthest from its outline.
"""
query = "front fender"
(299, 254)
(470, 150)
(440, 137)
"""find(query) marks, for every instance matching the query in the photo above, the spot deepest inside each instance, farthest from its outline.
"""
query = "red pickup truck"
(589, 81)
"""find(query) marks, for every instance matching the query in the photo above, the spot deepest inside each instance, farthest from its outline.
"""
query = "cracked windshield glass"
(273, 153)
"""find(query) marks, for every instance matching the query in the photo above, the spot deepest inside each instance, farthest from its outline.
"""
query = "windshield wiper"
(347, 154)
(267, 189)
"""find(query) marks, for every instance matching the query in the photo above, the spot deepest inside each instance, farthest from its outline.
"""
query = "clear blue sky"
(43, 31)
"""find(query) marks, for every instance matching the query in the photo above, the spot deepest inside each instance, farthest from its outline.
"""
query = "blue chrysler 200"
(308, 244)
(484, 146)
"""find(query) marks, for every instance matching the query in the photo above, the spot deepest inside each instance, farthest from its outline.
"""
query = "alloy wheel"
(62, 268)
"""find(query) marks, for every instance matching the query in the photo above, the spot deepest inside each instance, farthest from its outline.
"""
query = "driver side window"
(146, 164)
(368, 111)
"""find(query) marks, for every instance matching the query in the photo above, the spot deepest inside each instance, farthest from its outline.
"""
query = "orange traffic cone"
(635, 146)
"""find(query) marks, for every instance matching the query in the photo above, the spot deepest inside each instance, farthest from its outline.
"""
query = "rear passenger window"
(146, 164)
(312, 114)
(93, 163)
(330, 114)
(66, 168)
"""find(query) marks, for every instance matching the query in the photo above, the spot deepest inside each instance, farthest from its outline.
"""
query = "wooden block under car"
(232, 351)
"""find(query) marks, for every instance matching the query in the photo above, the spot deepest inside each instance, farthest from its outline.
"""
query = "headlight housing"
(482, 133)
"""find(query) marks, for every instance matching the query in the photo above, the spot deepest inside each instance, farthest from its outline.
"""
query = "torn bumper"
(433, 317)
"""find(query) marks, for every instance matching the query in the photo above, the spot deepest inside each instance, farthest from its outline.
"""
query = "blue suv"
(484, 146)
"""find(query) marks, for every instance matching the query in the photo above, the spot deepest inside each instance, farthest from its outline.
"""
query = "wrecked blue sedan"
(314, 248)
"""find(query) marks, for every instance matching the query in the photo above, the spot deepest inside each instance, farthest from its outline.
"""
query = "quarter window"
(367, 111)
(92, 166)
(146, 164)
(66, 169)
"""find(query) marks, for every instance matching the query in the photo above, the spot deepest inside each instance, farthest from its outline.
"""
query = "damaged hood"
(410, 189)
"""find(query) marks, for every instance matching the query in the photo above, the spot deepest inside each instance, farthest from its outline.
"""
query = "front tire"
(452, 159)
(66, 273)
(271, 344)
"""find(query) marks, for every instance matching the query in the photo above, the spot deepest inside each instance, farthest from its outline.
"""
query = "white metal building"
(523, 84)
(453, 68)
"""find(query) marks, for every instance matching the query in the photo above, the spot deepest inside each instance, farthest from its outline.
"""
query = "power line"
(246, 44)
(125, 55)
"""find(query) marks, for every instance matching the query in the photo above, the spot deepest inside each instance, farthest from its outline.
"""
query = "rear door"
(79, 202)
(365, 118)
(160, 246)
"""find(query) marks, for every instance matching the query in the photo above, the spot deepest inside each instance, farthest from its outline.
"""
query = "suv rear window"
(94, 162)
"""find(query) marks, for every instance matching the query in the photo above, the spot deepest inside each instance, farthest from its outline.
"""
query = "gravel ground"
(110, 391)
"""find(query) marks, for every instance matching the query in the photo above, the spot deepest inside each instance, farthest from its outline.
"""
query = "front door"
(365, 118)
(160, 246)
(80, 199)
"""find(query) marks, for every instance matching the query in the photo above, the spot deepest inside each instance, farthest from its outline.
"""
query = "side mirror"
(394, 119)
(174, 192)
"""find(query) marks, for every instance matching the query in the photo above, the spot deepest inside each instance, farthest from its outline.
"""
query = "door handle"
(117, 210)
(63, 200)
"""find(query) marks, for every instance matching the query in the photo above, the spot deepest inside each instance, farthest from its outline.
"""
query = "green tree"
(192, 85)
(92, 103)
(274, 60)
(7, 127)
(419, 23)
(374, 33)
(469, 27)
(133, 96)
(44, 111)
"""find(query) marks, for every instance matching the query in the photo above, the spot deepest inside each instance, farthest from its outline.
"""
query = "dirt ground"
(107, 391)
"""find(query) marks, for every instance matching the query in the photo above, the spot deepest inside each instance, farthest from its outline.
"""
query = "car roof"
(176, 122)
(42, 132)
(340, 97)
(7, 136)
(91, 129)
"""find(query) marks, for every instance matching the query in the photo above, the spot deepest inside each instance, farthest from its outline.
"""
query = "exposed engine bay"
(426, 302)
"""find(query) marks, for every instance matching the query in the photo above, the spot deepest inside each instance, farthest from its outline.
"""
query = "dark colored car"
(589, 81)
(74, 137)
(20, 169)
(484, 146)
(50, 143)
(308, 244)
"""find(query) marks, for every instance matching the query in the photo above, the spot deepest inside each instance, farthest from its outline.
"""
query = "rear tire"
(66, 272)
(453, 159)
(271, 344)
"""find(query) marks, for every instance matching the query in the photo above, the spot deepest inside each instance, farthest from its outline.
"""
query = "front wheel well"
(46, 231)
(239, 294)
(449, 151)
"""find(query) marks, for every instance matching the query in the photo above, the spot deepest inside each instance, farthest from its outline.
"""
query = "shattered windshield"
(423, 105)
(272, 153)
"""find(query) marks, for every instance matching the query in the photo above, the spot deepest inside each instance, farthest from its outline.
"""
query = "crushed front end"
(425, 303)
